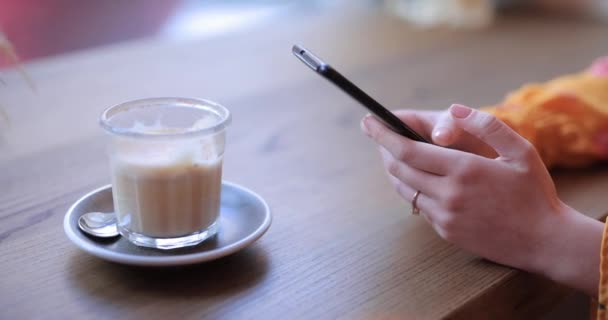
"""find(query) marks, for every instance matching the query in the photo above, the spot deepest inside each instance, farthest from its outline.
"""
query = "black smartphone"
(372, 105)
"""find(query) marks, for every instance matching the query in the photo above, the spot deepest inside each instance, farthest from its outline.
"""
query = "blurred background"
(42, 28)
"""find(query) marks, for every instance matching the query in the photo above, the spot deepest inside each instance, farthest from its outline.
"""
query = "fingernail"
(460, 111)
(365, 125)
(442, 136)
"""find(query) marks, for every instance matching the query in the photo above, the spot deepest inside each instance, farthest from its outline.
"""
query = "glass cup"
(166, 164)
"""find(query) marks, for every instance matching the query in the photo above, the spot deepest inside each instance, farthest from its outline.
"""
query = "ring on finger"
(415, 209)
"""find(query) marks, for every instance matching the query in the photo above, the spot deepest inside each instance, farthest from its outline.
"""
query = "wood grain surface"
(342, 243)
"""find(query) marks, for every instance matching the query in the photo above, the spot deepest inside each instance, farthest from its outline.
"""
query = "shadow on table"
(225, 276)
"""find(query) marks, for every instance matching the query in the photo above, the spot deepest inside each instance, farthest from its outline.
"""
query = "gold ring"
(415, 209)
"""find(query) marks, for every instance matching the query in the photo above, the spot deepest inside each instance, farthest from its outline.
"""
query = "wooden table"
(342, 243)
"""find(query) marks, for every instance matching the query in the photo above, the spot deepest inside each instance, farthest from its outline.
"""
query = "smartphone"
(341, 82)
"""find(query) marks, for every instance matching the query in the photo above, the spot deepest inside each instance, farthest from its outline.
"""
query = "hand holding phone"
(341, 82)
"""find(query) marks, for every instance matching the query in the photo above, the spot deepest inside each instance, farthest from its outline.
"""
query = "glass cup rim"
(203, 104)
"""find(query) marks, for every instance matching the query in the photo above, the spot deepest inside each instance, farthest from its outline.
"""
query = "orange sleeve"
(602, 301)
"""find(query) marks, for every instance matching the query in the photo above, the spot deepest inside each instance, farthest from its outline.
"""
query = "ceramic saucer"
(244, 218)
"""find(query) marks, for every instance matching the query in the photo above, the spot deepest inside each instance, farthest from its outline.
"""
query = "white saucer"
(244, 218)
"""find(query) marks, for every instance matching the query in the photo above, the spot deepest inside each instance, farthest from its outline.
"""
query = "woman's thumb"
(445, 131)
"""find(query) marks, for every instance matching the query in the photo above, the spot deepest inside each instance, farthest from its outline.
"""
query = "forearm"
(572, 252)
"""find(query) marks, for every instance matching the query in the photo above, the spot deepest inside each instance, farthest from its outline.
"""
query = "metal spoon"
(99, 224)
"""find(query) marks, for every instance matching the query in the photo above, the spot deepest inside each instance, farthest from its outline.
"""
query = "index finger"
(422, 156)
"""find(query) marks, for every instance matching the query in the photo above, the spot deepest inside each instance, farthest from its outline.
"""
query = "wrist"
(570, 253)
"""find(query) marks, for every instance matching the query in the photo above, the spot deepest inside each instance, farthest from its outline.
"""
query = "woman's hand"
(440, 127)
(501, 205)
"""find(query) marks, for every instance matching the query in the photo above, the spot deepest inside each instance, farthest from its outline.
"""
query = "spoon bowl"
(99, 224)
